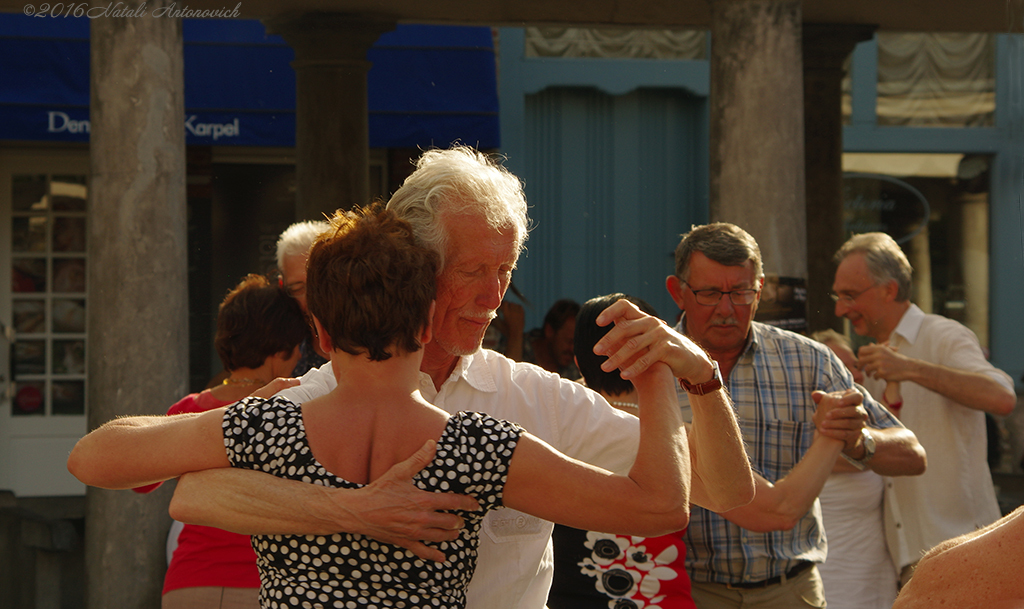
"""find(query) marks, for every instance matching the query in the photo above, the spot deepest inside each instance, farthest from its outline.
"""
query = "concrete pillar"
(332, 136)
(825, 49)
(974, 214)
(920, 258)
(138, 306)
(756, 130)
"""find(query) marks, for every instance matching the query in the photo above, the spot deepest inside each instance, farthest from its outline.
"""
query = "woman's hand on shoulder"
(274, 387)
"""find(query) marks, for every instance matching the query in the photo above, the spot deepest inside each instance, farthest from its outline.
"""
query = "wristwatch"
(707, 386)
(869, 451)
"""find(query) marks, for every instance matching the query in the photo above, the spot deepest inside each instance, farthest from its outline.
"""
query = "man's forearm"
(390, 509)
(897, 452)
(970, 389)
(255, 503)
(780, 506)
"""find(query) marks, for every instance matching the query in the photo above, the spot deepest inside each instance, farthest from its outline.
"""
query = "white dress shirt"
(955, 495)
(515, 560)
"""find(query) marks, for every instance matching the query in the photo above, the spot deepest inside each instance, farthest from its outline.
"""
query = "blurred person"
(371, 296)
(978, 570)
(505, 332)
(550, 346)
(292, 254)
(774, 377)
(259, 328)
(470, 211)
(859, 572)
(947, 386)
(597, 569)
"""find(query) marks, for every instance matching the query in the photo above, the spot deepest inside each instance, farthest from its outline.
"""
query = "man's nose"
(725, 308)
(491, 292)
(841, 308)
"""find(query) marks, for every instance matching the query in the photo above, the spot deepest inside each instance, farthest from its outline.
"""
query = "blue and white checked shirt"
(771, 387)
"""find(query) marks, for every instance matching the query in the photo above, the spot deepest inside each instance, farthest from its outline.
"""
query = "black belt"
(778, 579)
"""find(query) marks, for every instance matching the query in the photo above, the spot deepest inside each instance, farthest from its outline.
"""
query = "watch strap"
(869, 451)
(707, 386)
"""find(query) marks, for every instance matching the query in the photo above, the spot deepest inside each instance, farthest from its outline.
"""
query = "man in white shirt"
(947, 386)
(473, 213)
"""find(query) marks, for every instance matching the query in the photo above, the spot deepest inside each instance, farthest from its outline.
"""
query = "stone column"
(974, 213)
(756, 130)
(332, 141)
(920, 258)
(138, 306)
(825, 49)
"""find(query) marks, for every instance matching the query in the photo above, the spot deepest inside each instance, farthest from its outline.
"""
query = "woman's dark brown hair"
(257, 319)
(370, 284)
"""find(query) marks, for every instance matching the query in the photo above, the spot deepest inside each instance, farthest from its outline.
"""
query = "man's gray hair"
(460, 181)
(721, 242)
(297, 239)
(884, 259)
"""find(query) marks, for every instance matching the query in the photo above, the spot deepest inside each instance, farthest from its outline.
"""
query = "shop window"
(48, 294)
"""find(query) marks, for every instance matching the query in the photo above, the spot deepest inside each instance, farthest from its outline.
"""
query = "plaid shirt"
(771, 387)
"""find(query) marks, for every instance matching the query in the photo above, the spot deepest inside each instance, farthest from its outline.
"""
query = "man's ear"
(891, 289)
(674, 285)
(321, 336)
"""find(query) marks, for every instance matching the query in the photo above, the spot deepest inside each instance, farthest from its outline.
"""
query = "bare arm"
(779, 506)
(970, 389)
(978, 570)
(652, 500)
(897, 451)
(722, 479)
(135, 451)
(389, 509)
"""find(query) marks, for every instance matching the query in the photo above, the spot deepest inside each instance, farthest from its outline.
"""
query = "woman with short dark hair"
(259, 328)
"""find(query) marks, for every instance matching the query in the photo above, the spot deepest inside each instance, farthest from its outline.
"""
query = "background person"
(371, 296)
(292, 253)
(979, 570)
(551, 346)
(259, 328)
(947, 386)
(595, 569)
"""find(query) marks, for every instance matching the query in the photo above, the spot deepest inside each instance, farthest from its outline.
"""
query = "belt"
(778, 579)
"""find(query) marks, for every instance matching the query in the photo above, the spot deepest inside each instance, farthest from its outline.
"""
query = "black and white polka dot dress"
(353, 571)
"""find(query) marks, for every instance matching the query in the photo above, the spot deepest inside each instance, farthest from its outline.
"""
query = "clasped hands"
(840, 415)
(639, 340)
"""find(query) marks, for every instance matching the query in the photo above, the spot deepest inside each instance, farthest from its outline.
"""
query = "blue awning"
(428, 85)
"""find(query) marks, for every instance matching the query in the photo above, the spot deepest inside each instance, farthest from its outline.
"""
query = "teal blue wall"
(614, 157)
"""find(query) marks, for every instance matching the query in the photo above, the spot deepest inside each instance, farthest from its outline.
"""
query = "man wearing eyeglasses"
(771, 375)
(946, 384)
